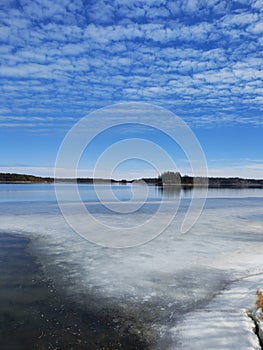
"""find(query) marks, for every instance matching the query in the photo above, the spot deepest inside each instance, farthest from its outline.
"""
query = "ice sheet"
(168, 280)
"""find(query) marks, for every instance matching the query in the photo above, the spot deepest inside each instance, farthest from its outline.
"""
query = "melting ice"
(161, 282)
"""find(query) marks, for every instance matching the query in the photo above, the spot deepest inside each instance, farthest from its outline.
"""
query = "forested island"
(166, 179)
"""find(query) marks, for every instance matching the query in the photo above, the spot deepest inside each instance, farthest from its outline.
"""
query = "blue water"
(46, 192)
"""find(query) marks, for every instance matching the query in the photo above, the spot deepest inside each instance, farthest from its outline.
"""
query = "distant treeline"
(211, 182)
(167, 178)
(234, 182)
(22, 178)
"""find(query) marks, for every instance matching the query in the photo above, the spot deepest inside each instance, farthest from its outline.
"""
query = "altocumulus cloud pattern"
(74, 56)
(64, 59)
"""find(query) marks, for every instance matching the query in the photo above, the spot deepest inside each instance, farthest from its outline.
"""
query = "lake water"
(60, 291)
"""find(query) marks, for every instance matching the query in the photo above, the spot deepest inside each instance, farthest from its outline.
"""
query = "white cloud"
(241, 19)
(257, 28)
(257, 4)
(249, 171)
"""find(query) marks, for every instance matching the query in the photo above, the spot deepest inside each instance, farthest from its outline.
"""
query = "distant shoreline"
(186, 181)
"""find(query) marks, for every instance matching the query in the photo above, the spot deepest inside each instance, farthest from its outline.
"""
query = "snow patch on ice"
(224, 323)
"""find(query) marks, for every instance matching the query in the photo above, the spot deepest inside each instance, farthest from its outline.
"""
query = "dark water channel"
(35, 315)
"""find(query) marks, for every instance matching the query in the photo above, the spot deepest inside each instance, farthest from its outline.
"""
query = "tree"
(171, 178)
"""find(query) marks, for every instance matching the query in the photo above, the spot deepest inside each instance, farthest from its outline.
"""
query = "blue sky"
(63, 59)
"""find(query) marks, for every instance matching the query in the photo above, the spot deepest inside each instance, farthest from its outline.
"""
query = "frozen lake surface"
(178, 291)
